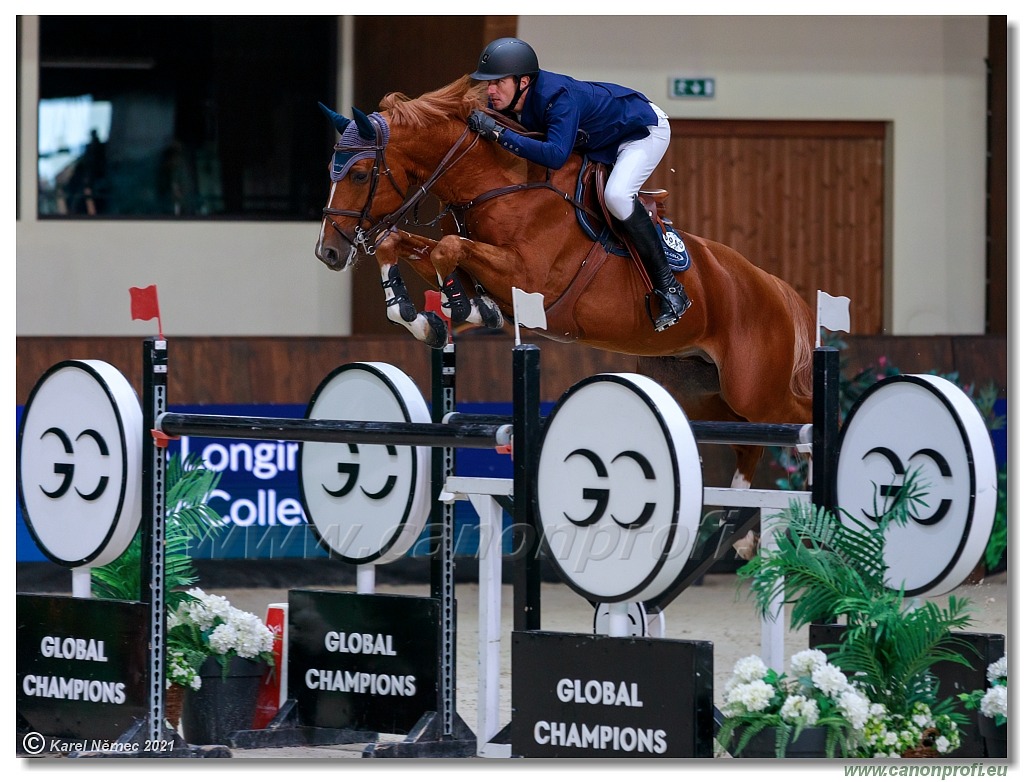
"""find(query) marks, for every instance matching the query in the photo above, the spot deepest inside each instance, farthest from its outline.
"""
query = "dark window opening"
(185, 116)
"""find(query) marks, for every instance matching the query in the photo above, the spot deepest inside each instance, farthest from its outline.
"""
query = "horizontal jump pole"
(454, 435)
(711, 432)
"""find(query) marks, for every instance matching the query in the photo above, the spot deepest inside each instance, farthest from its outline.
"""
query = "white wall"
(926, 75)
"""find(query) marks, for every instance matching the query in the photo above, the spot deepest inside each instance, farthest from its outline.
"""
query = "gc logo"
(601, 496)
(67, 469)
(887, 491)
(619, 488)
(80, 463)
(351, 472)
(366, 503)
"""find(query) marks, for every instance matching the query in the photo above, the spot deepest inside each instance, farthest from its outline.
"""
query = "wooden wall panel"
(286, 370)
(997, 295)
(802, 200)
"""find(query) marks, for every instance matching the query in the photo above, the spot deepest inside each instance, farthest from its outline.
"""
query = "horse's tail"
(802, 381)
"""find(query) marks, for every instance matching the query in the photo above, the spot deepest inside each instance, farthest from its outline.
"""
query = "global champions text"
(359, 681)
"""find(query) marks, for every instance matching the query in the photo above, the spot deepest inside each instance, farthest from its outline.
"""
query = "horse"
(744, 347)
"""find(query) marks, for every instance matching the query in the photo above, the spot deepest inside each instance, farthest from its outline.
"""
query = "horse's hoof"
(437, 337)
(490, 315)
(748, 546)
(407, 311)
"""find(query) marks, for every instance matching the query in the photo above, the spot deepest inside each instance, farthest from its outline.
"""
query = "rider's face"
(501, 91)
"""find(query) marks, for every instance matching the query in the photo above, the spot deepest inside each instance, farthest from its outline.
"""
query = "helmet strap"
(519, 92)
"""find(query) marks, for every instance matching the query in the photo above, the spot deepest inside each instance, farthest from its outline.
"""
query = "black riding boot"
(674, 301)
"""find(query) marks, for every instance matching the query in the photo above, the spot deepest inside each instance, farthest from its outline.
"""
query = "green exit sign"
(691, 88)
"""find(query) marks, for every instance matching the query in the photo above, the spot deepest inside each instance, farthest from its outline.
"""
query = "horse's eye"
(360, 177)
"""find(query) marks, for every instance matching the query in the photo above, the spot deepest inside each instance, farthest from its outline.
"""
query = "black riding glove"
(485, 125)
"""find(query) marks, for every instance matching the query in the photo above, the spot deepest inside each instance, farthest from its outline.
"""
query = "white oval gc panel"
(80, 463)
(926, 424)
(366, 503)
(619, 488)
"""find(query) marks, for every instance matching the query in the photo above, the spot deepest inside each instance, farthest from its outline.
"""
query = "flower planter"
(993, 735)
(810, 744)
(174, 702)
(226, 702)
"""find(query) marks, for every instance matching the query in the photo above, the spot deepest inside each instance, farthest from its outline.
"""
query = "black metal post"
(825, 458)
(525, 443)
(442, 536)
(152, 563)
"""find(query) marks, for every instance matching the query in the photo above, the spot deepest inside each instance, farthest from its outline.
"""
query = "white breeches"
(635, 163)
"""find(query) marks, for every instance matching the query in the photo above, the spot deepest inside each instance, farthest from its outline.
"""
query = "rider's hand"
(485, 125)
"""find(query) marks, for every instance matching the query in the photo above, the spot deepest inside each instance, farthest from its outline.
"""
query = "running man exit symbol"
(691, 88)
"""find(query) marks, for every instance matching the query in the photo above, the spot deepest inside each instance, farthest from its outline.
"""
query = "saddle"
(590, 193)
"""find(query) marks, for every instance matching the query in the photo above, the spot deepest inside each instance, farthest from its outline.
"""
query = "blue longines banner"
(258, 493)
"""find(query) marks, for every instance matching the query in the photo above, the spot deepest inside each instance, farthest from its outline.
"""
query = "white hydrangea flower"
(803, 663)
(206, 609)
(829, 679)
(854, 707)
(750, 668)
(755, 695)
(798, 708)
(997, 670)
(252, 637)
(223, 638)
(942, 744)
(993, 703)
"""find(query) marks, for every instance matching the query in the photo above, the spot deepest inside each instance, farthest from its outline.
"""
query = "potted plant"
(226, 652)
(812, 711)
(823, 569)
(990, 705)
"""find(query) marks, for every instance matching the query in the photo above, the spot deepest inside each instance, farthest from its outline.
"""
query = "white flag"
(833, 312)
(529, 309)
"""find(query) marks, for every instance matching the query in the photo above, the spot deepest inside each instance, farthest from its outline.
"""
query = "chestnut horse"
(748, 335)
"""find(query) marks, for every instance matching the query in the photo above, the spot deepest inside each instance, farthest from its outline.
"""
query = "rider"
(611, 124)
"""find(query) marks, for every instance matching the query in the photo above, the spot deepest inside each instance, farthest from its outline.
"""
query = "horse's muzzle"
(332, 259)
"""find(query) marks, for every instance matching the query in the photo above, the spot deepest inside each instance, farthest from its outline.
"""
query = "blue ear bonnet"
(358, 139)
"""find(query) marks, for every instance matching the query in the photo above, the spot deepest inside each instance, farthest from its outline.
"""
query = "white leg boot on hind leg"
(746, 547)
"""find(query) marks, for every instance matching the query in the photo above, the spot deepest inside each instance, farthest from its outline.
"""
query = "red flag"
(145, 305)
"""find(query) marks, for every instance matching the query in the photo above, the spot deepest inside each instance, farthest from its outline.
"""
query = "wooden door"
(802, 200)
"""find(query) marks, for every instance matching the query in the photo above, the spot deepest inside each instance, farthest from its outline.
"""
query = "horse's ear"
(366, 128)
(339, 121)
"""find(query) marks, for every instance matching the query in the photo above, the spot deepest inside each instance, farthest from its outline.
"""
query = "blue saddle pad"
(675, 249)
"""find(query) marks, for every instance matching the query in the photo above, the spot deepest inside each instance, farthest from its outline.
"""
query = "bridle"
(366, 239)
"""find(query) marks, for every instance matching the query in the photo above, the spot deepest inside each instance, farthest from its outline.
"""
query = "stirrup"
(670, 315)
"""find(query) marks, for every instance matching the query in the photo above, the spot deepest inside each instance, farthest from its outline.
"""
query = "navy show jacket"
(592, 117)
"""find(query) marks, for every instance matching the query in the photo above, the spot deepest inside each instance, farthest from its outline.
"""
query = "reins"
(366, 240)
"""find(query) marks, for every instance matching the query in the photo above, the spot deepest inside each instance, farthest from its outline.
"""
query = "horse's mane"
(457, 99)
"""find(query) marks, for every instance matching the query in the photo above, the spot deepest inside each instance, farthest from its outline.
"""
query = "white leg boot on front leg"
(427, 327)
